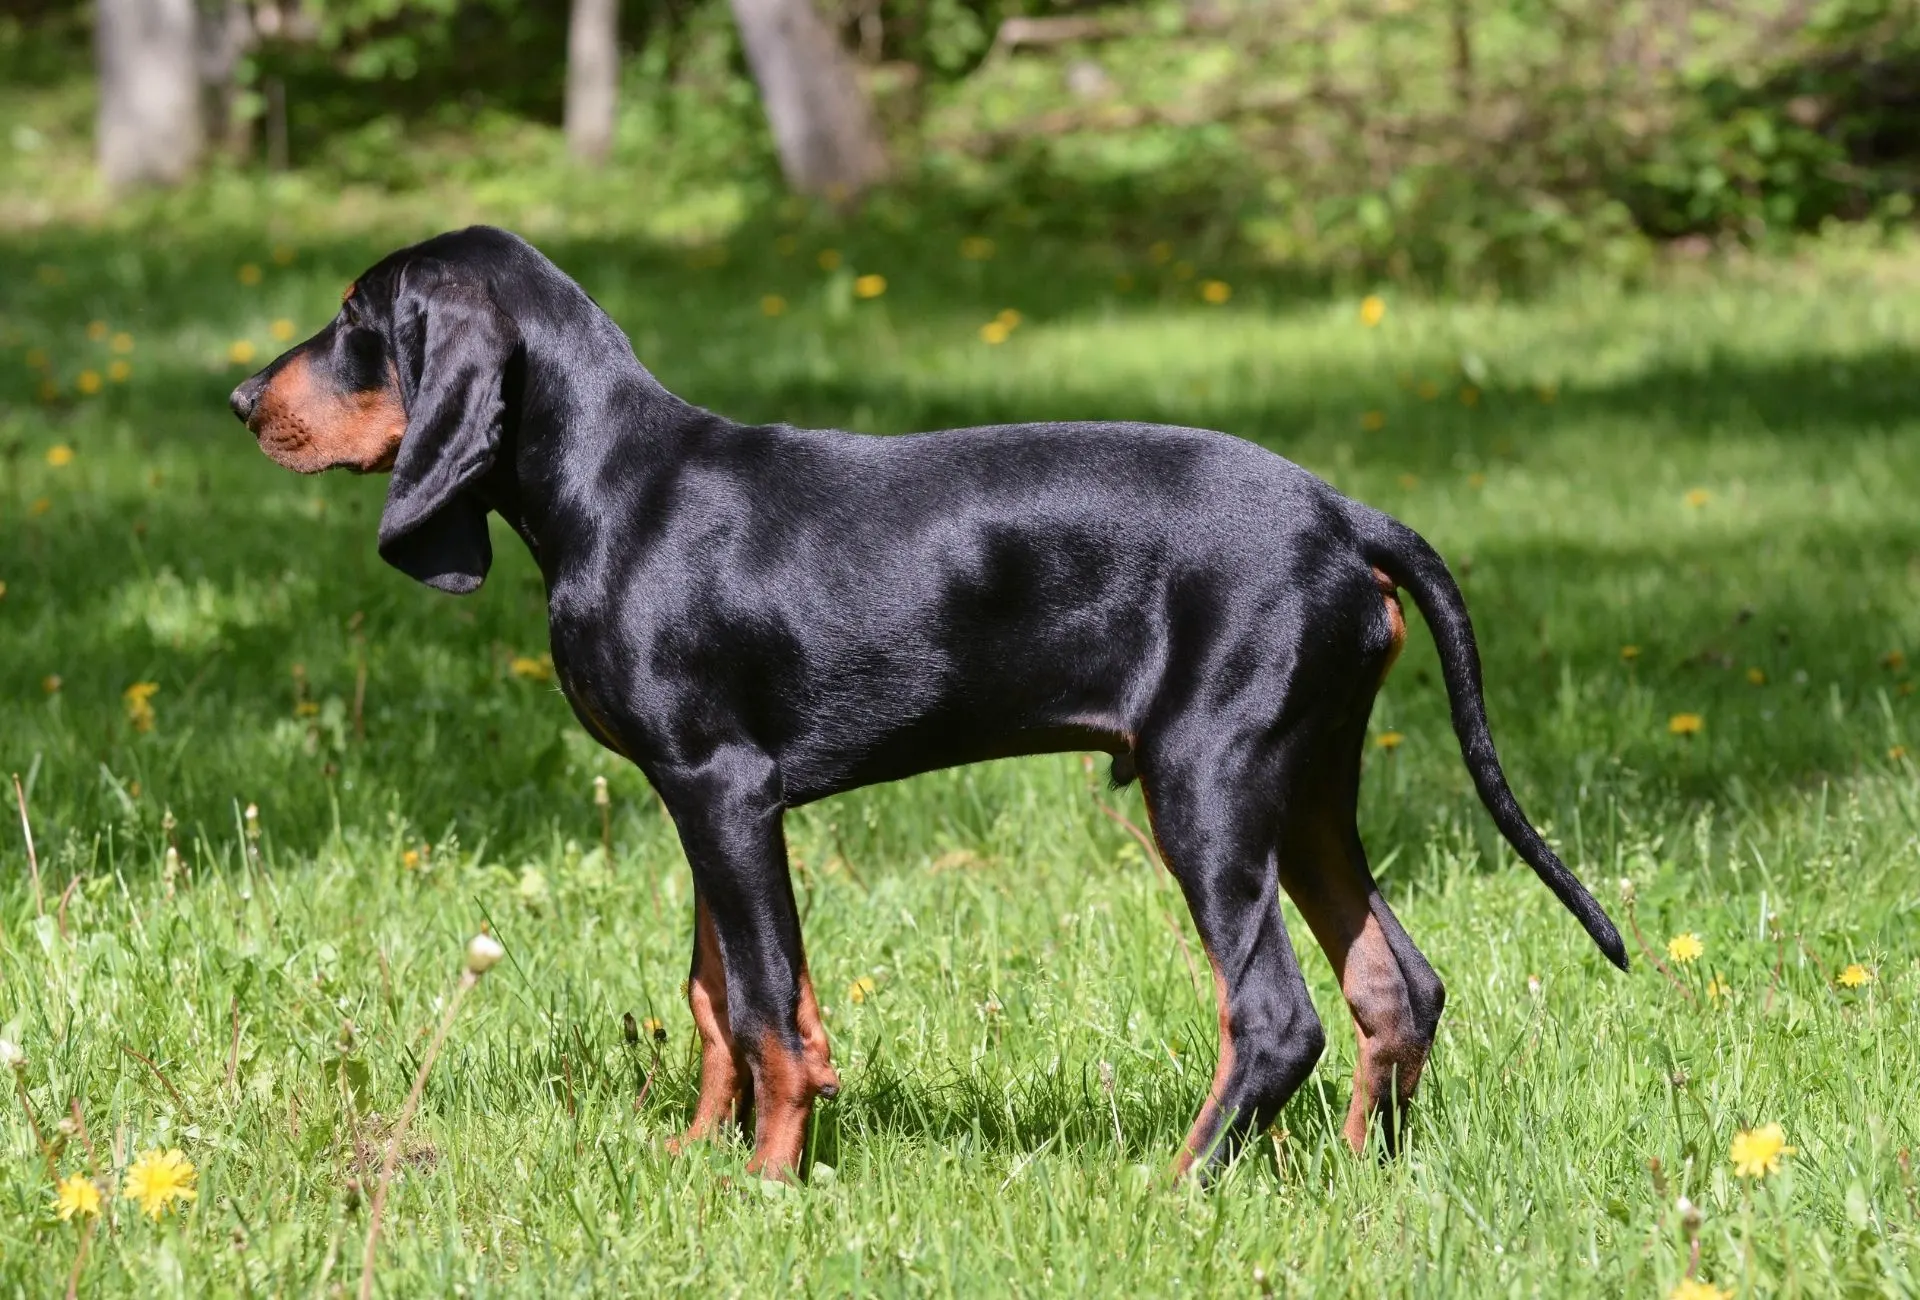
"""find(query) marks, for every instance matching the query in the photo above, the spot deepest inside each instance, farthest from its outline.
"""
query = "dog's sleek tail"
(1404, 556)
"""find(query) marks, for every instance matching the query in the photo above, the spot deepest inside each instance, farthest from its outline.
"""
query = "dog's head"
(410, 377)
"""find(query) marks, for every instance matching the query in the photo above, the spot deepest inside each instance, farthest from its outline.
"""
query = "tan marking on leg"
(785, 1083)
(1387, 1067)
(1202, 1136)
(1195, 1148)
(722, 1071)
(1337, 908)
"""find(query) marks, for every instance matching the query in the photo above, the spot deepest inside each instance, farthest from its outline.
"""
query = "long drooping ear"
(434, 528)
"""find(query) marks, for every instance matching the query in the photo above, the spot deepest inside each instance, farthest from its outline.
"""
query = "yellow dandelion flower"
(1692, 1288)
(994, 332)
(40, 506)
(118, 371)
(1629, 652)
(139, 701)
(240, 352)
(1855, 976)
(976, 248)
(1697, 497)
(1893, 661)
(306, 709)
(96, 330)
(1756, 676)
(870, 286)
(829, 259)
(773, 304)
(122, 342)
(860, 990)
(282, 330)
(1685, 949)
(158, 1179)
(1718, 990)
(1476, 480)
(1896, 753)
(1428, 390)
(37, 359)
(532, 669)
(1548, 391)
(76, 1194)
(50, 683)
(1756, 1152)
(1469, 395)
(1685, 724)
(282, 255)
(1160, 252)
(88, 382)
(1373, 420)
(59, 456)
(1409, 481)
(1373, 310)
(249, 273)
(410, 859)
(654, 1029)
(1215, 291)
(1010, 317)
(1389, 740)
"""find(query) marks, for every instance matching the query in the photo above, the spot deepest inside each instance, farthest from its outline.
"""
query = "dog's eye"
(363, 353)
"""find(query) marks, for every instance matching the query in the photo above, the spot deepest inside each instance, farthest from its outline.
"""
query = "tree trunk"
(593, 78)
(150, 128)
(823, 124)
(224, 41)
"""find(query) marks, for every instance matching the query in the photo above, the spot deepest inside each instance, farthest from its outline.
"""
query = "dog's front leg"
(726, 1083)
(758, 1008)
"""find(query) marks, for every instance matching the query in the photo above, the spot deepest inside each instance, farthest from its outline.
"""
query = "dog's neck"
(556, 456)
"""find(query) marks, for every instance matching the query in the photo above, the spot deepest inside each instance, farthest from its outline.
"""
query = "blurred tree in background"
(1442, 142)
(593, 78)
(149, 126)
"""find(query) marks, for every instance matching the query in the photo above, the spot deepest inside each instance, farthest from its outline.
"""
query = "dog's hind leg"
(1213, 817)
(1393, 993)
(760, 1008)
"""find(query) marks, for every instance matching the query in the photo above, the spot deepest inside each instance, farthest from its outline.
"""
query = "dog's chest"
(591, 680)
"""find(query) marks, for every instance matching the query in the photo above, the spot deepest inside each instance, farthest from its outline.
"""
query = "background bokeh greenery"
(1447, 144)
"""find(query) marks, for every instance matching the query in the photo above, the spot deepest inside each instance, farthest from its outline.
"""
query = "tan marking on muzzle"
(306, 427)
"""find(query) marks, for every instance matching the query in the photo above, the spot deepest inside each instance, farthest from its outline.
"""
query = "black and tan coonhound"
(759, 616)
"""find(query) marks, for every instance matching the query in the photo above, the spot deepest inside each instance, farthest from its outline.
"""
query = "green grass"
(1017, 943)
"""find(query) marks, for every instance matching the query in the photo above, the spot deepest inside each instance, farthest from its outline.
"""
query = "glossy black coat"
(761, 616)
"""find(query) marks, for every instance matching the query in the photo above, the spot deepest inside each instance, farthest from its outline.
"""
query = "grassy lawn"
(1695, 498)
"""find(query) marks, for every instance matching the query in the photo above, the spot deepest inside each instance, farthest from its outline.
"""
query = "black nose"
(243, 401)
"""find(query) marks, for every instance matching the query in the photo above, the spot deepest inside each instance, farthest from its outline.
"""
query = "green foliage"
(1482, 142)
(1825, 132)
